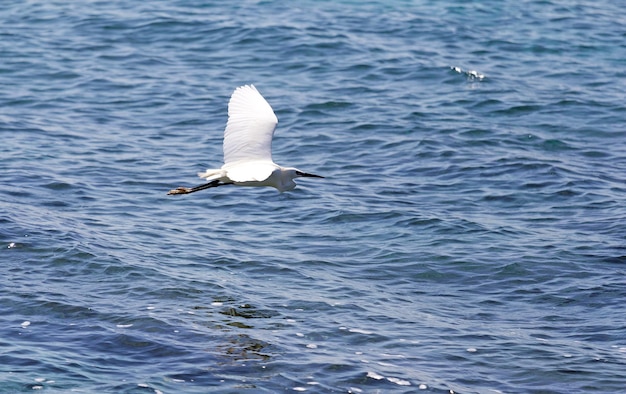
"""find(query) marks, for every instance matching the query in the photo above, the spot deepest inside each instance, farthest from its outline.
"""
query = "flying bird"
(248, 148)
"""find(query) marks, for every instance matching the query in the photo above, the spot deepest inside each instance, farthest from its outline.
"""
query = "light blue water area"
(469, 235)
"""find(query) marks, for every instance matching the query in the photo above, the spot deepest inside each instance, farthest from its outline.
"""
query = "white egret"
(248, 148)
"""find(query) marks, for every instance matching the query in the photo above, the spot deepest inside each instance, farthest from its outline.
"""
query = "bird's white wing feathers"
(254, 171)
(250, 127)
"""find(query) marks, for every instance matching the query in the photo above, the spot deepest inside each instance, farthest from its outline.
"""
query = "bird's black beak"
(307, 175)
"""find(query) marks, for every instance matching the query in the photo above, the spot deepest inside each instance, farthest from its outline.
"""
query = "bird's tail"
(212, 174)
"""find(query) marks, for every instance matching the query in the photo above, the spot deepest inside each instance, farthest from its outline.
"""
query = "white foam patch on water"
(393, 355)
(471, 74)
(399, 381)
(374, 375)
(39, 386)
(359, 331)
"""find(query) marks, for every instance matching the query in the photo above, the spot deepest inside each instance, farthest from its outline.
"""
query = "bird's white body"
(254, 173)
(248, 147)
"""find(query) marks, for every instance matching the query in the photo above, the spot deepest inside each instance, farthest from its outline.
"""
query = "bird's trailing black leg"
(187, 190)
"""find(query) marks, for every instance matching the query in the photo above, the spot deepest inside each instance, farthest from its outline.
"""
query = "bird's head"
(288, 174)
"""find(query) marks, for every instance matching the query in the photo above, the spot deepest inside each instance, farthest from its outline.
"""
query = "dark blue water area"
(469, 236)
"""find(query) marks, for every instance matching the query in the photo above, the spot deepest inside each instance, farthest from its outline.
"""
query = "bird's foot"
(179, 190)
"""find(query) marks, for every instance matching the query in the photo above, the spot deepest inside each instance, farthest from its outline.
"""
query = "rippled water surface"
(470, 234)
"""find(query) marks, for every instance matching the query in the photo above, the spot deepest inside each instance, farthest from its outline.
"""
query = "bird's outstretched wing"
(250, 127)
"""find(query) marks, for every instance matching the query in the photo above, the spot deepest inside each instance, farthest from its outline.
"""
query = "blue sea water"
(469, 236)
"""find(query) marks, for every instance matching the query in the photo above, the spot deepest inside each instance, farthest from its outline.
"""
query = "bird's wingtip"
(246, 86)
